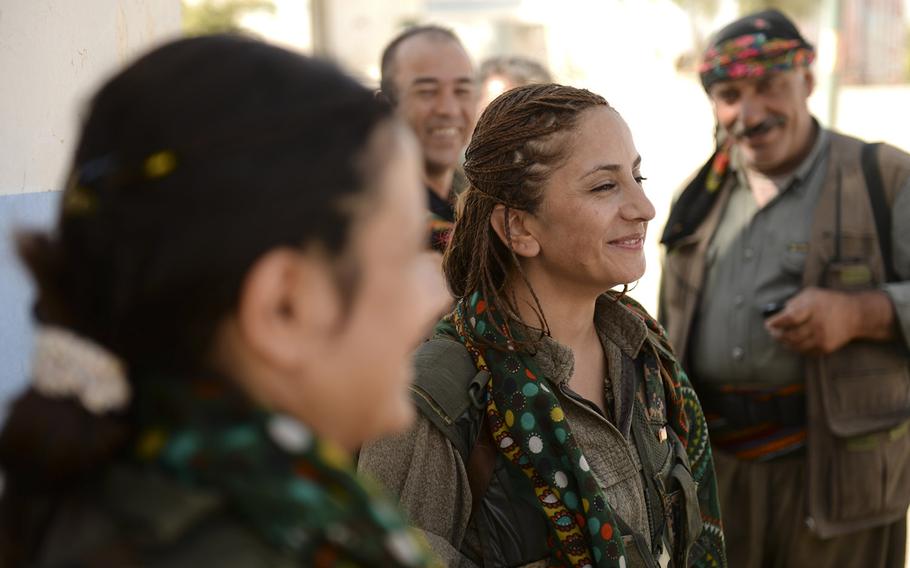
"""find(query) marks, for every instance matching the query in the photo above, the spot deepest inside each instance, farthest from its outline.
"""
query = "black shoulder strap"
(880, 208)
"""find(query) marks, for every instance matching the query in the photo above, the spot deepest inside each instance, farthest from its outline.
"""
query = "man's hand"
(818, 321)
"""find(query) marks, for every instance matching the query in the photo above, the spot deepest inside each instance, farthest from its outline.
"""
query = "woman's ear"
(518, 237)
(288, 305)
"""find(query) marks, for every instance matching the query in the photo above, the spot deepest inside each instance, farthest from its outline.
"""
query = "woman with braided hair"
(556, 427)
(226, 311)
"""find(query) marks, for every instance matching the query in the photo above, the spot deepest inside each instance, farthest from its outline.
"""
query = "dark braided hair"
(517, 144)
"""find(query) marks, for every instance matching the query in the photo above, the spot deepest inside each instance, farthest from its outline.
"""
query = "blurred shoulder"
(138, 517)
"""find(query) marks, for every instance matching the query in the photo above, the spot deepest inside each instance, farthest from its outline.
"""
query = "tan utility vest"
(859, 397)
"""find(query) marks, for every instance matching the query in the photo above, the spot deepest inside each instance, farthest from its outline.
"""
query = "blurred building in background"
(874, 42)
(641, 55)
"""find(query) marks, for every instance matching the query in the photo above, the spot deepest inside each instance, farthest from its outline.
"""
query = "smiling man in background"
(428, 78)
(786, 291)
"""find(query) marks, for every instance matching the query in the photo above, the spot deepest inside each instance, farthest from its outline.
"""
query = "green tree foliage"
(219, 16)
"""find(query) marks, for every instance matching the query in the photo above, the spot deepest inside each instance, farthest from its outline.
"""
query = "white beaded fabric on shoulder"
(66, 364)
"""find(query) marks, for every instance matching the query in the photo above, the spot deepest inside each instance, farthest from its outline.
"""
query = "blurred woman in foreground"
(556, 427)
(226, 310)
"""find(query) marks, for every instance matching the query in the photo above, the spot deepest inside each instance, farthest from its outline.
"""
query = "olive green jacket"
(132, 517)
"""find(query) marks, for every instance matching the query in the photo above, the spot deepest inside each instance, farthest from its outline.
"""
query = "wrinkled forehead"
(752, 82)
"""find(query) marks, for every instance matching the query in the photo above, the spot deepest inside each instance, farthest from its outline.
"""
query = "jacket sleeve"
(899, 291)
(425, 472)
(709, 550)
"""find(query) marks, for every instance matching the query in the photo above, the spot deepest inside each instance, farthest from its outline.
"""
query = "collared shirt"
(756, 257)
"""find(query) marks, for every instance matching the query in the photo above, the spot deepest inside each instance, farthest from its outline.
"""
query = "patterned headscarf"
(754, 46)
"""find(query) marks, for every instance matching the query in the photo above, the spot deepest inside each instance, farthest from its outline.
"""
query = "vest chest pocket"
(866, 403)
(868, 388)
(869, 474)
(793, 258)
(850, 261)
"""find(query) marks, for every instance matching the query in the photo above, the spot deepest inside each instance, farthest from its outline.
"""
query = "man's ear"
(809, 78)
(522, 241)
(288, 304)
(379, 95)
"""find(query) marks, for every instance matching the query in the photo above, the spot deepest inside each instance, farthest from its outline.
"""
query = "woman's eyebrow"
(610, 167)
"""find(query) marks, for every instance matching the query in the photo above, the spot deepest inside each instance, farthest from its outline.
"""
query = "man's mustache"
(740, 131)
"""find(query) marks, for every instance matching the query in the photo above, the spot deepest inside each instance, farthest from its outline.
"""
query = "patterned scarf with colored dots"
(529, 427)
(297, 491)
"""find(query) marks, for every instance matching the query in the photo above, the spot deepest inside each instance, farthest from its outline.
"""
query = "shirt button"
(738, 353)
(748, 253)
(738, 300)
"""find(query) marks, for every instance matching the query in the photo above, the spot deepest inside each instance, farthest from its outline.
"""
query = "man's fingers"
(790, 317)
(806, 347)
(797, 334)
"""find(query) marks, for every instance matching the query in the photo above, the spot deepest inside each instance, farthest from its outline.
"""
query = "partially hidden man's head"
(429, 79)
(502, 73)
(757, 74)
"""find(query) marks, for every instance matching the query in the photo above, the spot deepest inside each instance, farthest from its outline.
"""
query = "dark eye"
(728, 96)
(605, 187)
(640, 179)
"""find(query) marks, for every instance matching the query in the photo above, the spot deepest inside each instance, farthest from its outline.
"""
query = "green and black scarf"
(297, 491)
(530, 429)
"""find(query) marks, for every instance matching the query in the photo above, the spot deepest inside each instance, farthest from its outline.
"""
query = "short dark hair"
(387, 63)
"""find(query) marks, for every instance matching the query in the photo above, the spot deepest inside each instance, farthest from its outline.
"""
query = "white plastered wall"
(53, 54)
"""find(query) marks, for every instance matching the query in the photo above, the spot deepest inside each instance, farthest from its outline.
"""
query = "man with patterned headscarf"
(786, 291)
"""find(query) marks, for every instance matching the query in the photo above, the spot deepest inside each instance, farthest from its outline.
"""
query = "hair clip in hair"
(67, 365)
(79, 196)
(77, 199)
(159, 164)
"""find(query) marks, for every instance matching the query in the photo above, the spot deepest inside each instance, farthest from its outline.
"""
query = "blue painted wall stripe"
(22, 211)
